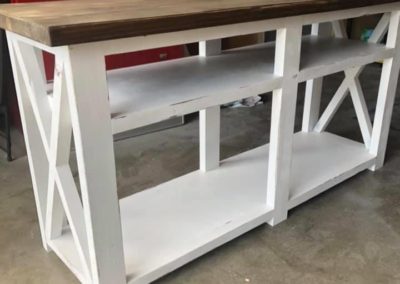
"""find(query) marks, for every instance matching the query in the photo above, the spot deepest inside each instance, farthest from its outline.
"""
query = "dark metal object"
(4, 109)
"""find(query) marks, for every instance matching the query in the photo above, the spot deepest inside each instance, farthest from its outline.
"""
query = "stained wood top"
(79, 21)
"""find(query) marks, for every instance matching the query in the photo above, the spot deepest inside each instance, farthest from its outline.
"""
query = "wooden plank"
(332, 108)
(96, 163)
(380, 29)
(72, 22)
(312, 103)
(210, 125)
(386, 94)
(287, 64)
(31, 69)
(210, 121)
(339, 29)
(71, 202)
(65, 248)
(321, 161)
(336, 55)
(154, 92)
(37, 154)
(360, 106)
(312, 98)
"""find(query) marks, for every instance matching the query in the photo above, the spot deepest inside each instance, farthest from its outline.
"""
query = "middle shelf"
(154, 92)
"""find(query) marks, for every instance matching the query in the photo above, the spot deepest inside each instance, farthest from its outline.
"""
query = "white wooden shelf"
(322, 56)
(154, 92)
(321, 161)
(175, 222)
(150, 93)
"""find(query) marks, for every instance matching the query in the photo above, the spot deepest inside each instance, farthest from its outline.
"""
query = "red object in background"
(119, 60)
(126, 59)
(112, 62)
(144, 57)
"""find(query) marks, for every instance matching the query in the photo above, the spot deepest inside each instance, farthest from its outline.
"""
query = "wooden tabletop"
(79, 21)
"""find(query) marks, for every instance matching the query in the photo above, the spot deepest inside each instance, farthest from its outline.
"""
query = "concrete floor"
(350, 234)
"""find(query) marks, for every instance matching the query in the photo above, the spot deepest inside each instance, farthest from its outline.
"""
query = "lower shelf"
(323, 160)
(178, 221)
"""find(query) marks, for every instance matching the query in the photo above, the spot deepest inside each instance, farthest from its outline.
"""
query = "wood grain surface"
(72, 22)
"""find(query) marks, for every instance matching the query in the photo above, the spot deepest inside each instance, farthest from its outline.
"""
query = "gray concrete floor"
(350, 234)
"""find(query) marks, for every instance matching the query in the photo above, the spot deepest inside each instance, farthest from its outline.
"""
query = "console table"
(147, 235)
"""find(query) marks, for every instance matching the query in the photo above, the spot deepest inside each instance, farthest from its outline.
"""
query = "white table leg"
(210, 47)
(287, 62)
(35, 146)
(209, 138)
(312, 99)
(90, 114)
(386, 95)
(209, 122)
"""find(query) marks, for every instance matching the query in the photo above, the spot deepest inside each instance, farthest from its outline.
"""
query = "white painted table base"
(110, 241)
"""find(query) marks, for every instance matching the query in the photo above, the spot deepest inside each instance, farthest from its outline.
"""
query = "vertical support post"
(37, 156)
(287, 62)
(210, 124)
(209, 138)
(85, 75)
(386, 94)
(312, 99)
(339, 28)
(210, 47)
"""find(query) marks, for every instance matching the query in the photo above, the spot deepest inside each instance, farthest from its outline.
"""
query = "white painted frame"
(94, 218)
(371, 133)
(210, 119)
